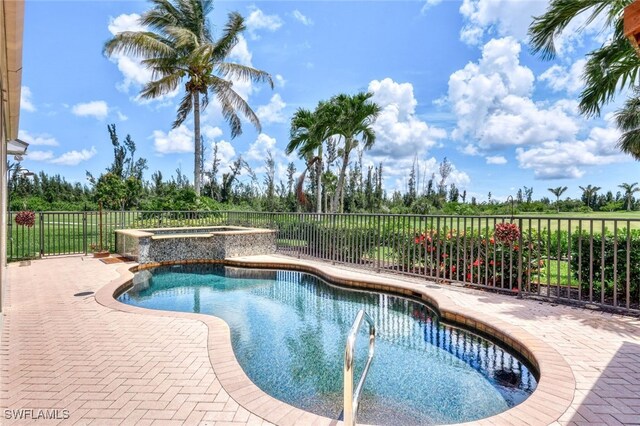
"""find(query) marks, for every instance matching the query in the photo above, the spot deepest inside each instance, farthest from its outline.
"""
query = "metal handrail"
(352, 400)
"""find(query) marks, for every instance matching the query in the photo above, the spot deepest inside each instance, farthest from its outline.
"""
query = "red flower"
(26, 218)
(477, 262)
(469, 277)
(507, 233)
(453, 269)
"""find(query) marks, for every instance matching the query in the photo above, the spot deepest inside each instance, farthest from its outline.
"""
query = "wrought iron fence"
(572, 259)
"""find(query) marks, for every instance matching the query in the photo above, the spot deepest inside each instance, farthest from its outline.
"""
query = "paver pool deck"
(108, 364)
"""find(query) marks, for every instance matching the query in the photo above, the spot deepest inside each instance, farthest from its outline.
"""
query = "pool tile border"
(552, 397)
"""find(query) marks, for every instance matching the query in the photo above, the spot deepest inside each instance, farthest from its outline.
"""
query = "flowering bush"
(507, 233)
(26, 218)
(474, 256)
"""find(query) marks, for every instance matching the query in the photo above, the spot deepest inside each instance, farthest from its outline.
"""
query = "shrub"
(585, 266)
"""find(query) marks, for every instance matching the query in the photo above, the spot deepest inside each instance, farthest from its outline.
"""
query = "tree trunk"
(337, 197)
(197, 165)
(319, 182)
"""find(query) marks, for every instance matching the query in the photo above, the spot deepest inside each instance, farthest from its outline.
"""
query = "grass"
(555, 272)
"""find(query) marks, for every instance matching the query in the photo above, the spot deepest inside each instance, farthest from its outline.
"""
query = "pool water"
(288, 331)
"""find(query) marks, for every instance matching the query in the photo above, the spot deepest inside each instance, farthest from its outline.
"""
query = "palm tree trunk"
(319, 182)
(197, 165)
(337, 197)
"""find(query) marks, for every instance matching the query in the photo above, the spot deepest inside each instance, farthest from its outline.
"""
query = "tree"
(178, 45)
(354, 116)
(307, 135)
(589, 194)
(612, 67)
(629, 190)
(628, 121)
(558, 192)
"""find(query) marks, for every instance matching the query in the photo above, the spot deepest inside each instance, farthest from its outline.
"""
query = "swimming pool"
(288, 331)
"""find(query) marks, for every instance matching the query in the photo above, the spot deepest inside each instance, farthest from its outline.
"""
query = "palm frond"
(243, 72)
(184, 109)
(138, 44)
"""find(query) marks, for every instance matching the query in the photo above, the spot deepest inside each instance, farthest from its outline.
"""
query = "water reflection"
(288, 332)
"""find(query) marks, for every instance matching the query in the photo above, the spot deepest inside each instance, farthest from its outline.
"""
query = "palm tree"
(354, 117)
(589, 194)
(558, 192)
(307, 135)
(612, 67)
(179, 46)
(628, 121)
(629, 190)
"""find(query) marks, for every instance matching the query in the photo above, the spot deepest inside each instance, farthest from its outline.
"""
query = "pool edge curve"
(556, 383)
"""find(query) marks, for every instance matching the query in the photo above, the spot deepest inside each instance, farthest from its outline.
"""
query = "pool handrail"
(352, 400)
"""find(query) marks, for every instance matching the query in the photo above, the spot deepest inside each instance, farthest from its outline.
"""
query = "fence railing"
(570, 259)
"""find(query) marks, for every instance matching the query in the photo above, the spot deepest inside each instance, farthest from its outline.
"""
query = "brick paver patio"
(108, 366)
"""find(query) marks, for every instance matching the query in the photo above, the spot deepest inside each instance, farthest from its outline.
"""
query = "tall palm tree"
(307, 135)
(612, 67)
(629, 190)
(354, 117)
(589, 194)
(558, 192)
(178, 46)
(628, 121)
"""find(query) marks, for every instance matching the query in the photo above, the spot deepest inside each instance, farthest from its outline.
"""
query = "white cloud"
(177, 141)
(39, 155)
(492, 102)
(429, 4)
(303, 19)
(498, 17)
(396, 173)
(258, 20)
(73, 158)
(211, 132)
(560, 78)
(37, 140)
(121, 116)
(96, 109)
(257, 151)
(272, 112)
(26, 103)
(399, 132)
(569, 160)
(240, 52)
(496, 159)
(280, 81)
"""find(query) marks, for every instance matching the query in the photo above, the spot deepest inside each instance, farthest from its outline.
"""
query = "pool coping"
(552, 397)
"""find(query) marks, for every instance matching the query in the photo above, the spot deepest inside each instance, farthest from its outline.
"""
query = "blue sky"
(454, 79)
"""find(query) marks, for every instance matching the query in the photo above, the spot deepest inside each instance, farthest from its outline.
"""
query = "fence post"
(84, 233)
(41, 234)
(520, 250)
(379, 238)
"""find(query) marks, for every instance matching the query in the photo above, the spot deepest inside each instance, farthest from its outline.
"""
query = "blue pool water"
(288, 331)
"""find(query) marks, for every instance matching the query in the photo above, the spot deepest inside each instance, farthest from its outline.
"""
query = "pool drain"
(83, 293)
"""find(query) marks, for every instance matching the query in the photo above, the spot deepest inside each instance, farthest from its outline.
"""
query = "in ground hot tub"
(195, 243)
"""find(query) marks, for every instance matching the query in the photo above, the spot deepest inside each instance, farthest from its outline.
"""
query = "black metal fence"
(572, 259)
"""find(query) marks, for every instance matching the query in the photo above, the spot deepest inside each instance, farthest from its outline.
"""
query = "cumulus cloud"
(496, 159)
(303, 19)
(258, 20)
(428, 4)
(272, 112)
(257, 151)
(96, 109)
(40, 155)
(37, 140)
(498, 17)
(73, 158)
(492, 102)
(569, 79)
(176, 141)
(399, 132)
(569, 160)
(26, 103)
